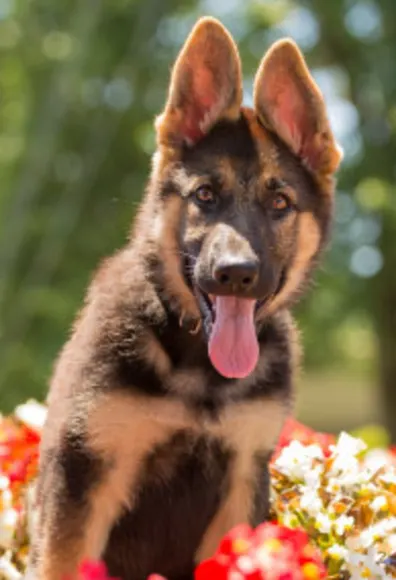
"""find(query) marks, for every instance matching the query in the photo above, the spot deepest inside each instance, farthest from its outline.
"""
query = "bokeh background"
(80, 82)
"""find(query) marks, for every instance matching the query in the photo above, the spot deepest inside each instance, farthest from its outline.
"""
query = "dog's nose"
(239, 276)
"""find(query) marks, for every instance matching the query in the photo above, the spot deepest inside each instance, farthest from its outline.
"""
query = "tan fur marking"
(261, 135)
(295, 351)
(187, 382)
(186, 183)
(156, 356)
(248, 428)
(234, 510)
(122, 430)
(54, 566)
(307, 244)
(171, 258)
(118, 415)
(228, 174)
(195, 232)
(105, 508)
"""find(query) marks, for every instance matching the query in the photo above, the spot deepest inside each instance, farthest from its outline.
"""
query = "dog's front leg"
(251, 430)
(82, 497)
(91, 479)
(247, 501)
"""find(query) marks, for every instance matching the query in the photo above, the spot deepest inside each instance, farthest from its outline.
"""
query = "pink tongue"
(233, 346)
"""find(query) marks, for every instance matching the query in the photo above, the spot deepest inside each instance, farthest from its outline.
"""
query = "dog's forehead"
(236, 151)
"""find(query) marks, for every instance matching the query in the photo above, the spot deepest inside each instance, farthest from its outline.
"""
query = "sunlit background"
(80, 82)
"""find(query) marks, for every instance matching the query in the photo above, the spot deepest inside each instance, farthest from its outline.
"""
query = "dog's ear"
(288, 102)
(205, 86)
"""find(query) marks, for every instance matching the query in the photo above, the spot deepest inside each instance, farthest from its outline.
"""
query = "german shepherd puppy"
(169, 397)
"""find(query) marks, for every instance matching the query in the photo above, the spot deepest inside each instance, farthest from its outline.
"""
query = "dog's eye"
(280, 206)
(280, 203)
(204, 195)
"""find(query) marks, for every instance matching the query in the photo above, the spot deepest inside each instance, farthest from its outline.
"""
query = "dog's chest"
(185, 478)
(181, 488)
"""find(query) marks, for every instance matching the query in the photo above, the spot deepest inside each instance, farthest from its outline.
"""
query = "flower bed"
(333, 509)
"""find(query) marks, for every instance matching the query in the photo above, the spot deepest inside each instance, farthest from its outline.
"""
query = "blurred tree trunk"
(385, 319)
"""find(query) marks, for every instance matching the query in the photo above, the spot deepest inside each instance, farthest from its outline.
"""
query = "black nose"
(239, 276)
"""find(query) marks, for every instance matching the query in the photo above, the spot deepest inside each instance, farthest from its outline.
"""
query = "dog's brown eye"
(204, 195)
(280, 203)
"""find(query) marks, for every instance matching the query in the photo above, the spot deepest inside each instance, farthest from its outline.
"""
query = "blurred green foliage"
(80, 84)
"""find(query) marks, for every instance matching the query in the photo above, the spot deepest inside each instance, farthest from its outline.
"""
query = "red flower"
(91, 570)
(270, 552)
(18, 451)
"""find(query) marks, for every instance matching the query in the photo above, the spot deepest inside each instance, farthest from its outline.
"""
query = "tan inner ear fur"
(205, 85)
(288, 102)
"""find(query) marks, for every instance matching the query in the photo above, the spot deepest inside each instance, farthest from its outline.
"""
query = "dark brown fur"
(149, 455)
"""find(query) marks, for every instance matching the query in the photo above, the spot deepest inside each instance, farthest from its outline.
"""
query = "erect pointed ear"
(288, 102)
(205, 86)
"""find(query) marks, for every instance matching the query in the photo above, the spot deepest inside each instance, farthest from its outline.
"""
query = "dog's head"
(246, 195)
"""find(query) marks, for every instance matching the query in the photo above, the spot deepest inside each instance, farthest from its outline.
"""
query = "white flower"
(4, 482)
(344, 523)
(344, 480)
(8, 570)
(8, 522)
(390, 544)
(353, 542)
(348, 446)
(338, 552)
(311, 502)
(387, 525)
(365, 566)
(346, 473)
(290, 520)
(345, 465)
(368, 488)
(377, 532)
(376, 458)
(389, 477)
(6, 499)
(333, 486)
(323, 523)
(32, 414)
(312, 478)
(379, 503)
(296, 460)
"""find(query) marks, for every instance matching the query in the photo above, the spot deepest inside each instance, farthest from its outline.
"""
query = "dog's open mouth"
(232, 339)
(230, 328)
(229, 325)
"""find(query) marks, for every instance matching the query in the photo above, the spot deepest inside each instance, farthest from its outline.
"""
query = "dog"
(168, 399)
